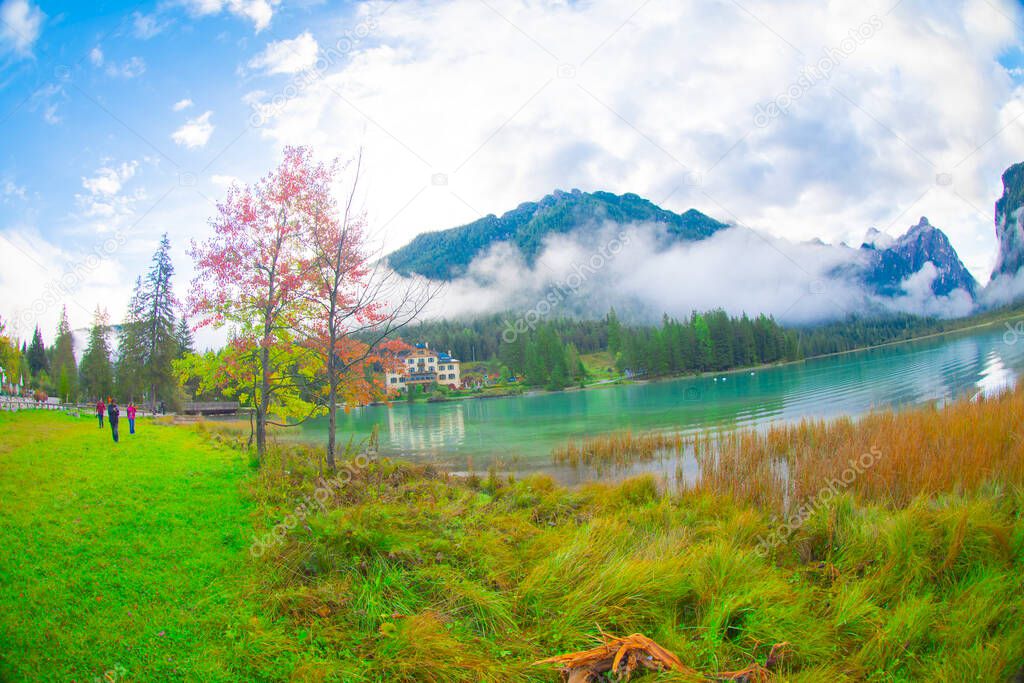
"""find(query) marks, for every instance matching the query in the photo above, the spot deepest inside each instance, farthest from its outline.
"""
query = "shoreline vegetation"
(890, 548)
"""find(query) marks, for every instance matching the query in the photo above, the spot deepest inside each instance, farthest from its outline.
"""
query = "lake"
(519, 432)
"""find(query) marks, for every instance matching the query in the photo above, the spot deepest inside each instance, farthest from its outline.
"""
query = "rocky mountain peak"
(888, 266)
(1010, 222)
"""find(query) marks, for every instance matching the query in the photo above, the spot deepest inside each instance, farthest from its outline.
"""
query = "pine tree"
(96, 375)
(65, 370)
(36, 354)
(130, 350)
(183, 335)
(720, 330)
(614, 333)
(703, 352)
(534, 370)
(513, 354)
(156, 341)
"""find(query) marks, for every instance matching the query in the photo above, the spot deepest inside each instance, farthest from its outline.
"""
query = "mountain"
(889, 262)
(446, 254)
(1010, 222)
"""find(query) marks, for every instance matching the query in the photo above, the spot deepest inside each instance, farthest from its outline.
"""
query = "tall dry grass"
(886, 457)
(619, 448)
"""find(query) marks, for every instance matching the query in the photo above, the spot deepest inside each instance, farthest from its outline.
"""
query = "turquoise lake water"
(520, 432)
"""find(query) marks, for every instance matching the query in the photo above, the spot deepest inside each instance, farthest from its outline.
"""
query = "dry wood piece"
(622, 656)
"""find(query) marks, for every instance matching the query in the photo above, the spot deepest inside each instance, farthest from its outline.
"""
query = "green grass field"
(136, 559)
(116, 556)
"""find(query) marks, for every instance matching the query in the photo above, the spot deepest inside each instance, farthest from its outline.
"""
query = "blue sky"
(92, 96)
(99, 89)
(124, 120)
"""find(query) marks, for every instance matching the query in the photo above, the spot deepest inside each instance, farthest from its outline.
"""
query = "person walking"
(130, 412)
(113, 413)
(100, 409)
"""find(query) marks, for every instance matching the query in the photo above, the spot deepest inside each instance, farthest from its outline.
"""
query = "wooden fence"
(13, 403)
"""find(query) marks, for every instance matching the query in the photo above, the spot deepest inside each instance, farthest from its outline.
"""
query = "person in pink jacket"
(131, 417)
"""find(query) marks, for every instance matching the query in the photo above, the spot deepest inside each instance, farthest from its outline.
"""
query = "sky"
(798, 119)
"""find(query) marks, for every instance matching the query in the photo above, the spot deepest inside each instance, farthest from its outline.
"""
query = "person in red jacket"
(130, 412)
(101, 408)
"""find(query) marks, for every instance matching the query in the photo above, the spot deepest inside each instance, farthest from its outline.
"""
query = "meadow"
(172, 558)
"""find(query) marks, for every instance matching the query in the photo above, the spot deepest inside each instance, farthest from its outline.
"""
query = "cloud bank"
(737, 269)
(464, 108)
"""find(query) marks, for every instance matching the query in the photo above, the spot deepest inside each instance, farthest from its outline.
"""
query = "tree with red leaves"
(255, 271)
(354, 306)
(291, 275)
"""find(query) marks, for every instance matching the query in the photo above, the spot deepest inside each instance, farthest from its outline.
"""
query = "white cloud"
(46, 100)
(109, 180)
(132, 68)
(287, 56)
(569, 96)
(50, 114)
(739, 270)
(259, 12)
(77, 278)
(182, 104)
(195, 133)
(145, 25)
(451, 87)
(224, 180)
(11, 190)
(21, 23)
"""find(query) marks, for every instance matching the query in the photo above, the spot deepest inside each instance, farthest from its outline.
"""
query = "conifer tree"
(152, 344)
(36, 354)
(96, 374)
(65, 370)
(130, 349)
(183, 335)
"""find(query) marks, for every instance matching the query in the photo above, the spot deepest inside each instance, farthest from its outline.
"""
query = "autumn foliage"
(286, 270)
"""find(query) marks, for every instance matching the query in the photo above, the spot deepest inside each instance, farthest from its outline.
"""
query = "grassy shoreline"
(206, 569)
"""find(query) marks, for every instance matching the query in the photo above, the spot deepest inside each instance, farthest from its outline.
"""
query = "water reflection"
(523, 430)
(995, 376)
(409, 430)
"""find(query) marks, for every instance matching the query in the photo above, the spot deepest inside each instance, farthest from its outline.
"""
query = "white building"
(421, 366)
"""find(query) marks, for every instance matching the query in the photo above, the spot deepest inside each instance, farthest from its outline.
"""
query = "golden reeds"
(619, 448)
(887, 457)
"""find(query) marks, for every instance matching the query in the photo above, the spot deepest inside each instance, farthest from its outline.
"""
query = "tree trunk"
(264, 405)
(332, 424)
(332, 369)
